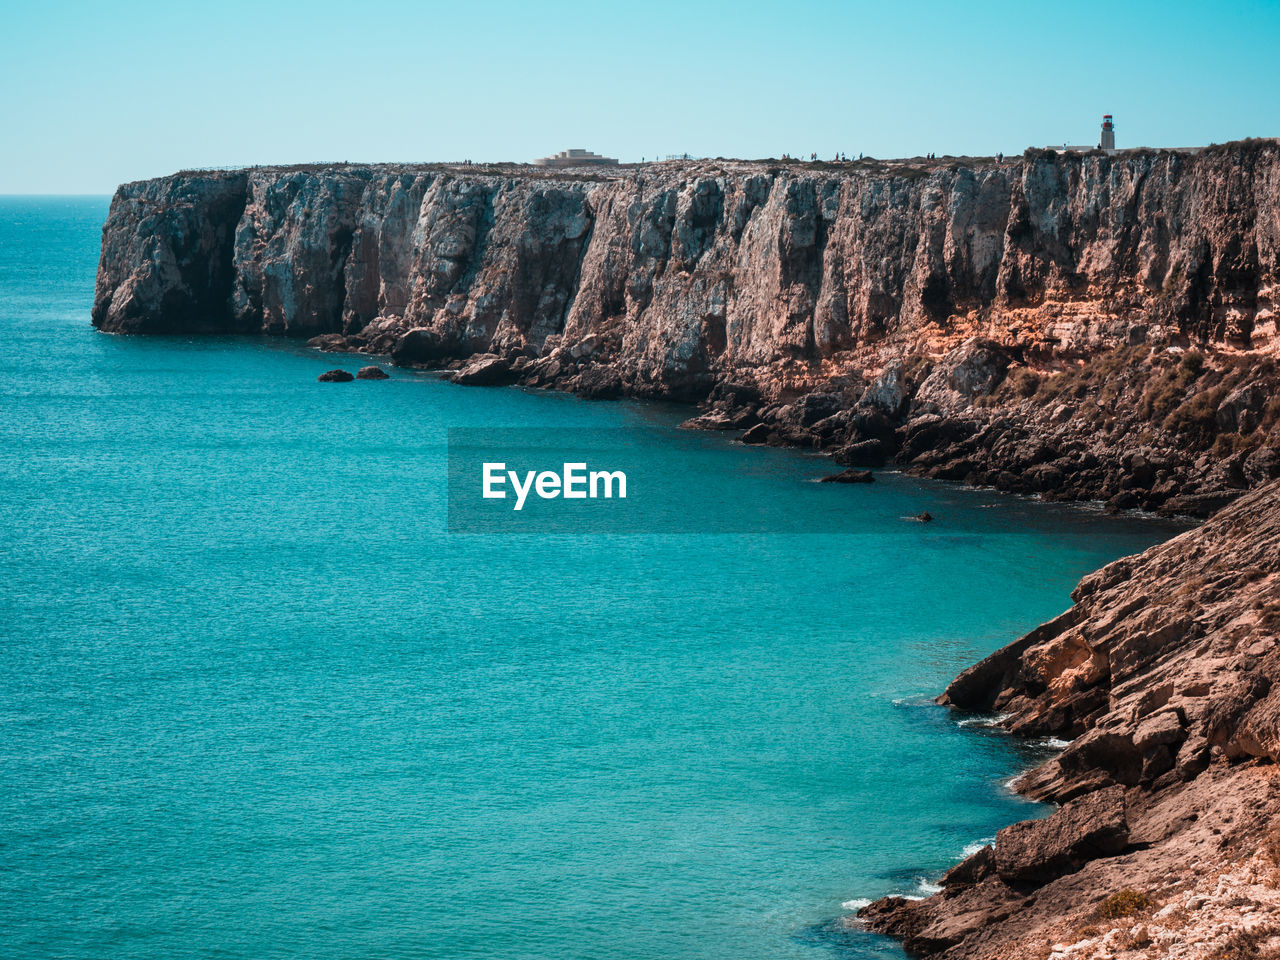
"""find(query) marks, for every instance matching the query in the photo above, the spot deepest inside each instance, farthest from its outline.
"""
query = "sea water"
(257, 701)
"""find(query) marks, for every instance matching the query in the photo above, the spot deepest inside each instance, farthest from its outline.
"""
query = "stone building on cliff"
(575, 158)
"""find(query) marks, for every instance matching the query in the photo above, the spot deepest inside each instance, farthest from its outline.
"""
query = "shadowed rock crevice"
(177, 254)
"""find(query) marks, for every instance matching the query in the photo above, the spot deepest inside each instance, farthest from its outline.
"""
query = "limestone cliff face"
(889, 292)
(166, 264)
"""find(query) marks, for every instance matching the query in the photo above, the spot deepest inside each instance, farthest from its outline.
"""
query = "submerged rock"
(335, 376)
(333, 343)
(851, 475)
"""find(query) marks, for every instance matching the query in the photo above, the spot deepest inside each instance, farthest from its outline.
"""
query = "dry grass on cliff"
(1019, 384)
(1182, 394)
(1100, 374)
(1271, 413)
(1252, 944)
(1197, 417)
(1125, 903)
(1269, 847)
(1169, 389)
(1096, 389)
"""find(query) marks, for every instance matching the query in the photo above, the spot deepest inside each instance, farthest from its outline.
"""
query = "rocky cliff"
(1076, 326)
(1165, 677)
(1073, 326)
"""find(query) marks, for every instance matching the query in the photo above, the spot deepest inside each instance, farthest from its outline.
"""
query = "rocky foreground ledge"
(1073, 326)
(1165, 677)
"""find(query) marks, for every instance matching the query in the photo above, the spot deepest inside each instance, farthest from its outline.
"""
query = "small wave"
(924, 888)
(971, 848)
(1053, 743)
(919, 700)
(991, 721)
(855, 905)
(1011, 783)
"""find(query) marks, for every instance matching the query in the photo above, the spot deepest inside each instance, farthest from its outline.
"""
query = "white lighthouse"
(1108, 135)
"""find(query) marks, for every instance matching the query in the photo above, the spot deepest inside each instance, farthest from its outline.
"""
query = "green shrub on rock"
(1124, 903)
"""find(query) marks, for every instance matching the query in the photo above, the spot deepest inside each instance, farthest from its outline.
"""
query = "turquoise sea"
(256, 700)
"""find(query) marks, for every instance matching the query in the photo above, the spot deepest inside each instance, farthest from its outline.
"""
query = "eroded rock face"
(1165, 677)
(1171, 648)
(166, 264)
(485, 371)
(1046, 308)
(1036, 851)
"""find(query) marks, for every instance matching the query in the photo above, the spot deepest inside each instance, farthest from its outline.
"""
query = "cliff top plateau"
(902, 166)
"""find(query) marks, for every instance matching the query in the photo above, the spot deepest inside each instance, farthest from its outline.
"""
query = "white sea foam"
(924, 888)
(919, 700)
(1054, 743)
(855, 904)
(992, 721)
(971, 848)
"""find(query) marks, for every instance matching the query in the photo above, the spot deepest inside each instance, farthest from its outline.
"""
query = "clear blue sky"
(92, 94)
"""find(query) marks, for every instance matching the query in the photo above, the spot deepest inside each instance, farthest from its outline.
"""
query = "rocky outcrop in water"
(1075, 326)
(1165, 678)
